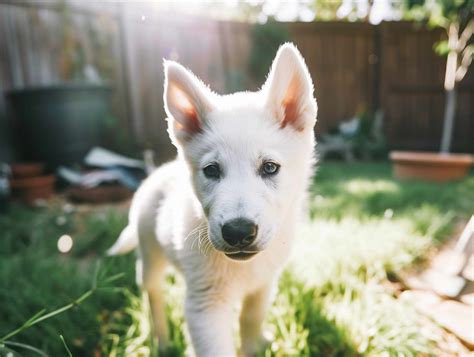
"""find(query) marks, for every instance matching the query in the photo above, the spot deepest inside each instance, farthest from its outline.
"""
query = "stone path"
(445, 293)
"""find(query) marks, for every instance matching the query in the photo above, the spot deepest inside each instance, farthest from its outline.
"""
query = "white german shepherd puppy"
(225, 211)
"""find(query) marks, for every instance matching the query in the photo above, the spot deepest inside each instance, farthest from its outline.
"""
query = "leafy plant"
(76, 55)
(369, 141)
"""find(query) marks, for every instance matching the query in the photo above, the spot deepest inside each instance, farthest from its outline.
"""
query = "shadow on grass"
(325, 338)
(301, 327)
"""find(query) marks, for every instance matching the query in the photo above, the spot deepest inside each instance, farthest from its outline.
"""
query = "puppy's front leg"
(210, 326)
(253, 313)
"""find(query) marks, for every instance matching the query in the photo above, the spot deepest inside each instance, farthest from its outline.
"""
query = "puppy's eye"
(269, 168)
(212, 171)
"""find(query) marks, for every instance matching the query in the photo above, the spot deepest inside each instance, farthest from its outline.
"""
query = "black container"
(58, 124)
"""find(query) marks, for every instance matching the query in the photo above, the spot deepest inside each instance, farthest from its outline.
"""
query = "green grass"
(334, 297)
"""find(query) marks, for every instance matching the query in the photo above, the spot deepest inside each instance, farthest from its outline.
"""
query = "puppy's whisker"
(194, 230)
(200, 241)
(205, 246)
(201, 236)
(195, 237)
(190, 234)
(195, 233)
(208, 245)
(205, 241)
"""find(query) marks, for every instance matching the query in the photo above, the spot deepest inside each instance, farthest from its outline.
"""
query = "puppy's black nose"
(239, 232)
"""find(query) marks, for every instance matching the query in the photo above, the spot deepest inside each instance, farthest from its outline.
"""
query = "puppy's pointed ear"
(289, 90)
(187, 102)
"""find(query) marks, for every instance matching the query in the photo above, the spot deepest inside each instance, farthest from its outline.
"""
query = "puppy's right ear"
(187, 102)
(289, 90)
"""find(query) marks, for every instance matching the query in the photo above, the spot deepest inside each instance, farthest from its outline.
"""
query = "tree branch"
(466, 61)
(453, 36)
(465, 36)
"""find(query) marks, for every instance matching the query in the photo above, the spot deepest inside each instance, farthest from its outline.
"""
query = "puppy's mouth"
(241, 255)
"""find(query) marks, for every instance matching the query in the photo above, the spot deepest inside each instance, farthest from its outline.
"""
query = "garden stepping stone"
(444, 291)
(448, 261)
(457, 318)
(453, 316)
(444, 284)
(468, 299)
(468, 271)
(467, 294)
(433, 280)
(424, 301)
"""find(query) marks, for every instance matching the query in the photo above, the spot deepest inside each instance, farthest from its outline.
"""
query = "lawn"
(337, 296)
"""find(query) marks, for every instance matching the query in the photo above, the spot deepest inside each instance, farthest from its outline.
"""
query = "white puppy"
(225, 211)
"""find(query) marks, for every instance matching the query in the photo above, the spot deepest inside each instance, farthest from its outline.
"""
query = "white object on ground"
(101, 157)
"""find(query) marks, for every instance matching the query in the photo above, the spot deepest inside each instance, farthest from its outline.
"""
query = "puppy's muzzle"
(240, 233)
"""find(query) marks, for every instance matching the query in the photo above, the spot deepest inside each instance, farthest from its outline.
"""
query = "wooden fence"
(411, 90)
(355, 66)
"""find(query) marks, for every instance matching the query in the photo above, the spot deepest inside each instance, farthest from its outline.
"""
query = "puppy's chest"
(244, 279)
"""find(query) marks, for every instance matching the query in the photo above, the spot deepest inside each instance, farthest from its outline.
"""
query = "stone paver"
(468, 271)
(444, 291)
(448, 261)
(457, 318)
(467, 295)
(424, 301)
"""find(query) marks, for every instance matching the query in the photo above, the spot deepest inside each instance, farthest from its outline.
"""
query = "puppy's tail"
(126, 242)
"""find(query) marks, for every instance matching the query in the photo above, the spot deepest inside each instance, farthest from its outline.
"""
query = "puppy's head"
(250, 154)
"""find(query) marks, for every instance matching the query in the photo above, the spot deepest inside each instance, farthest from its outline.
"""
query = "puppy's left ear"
(289, 90)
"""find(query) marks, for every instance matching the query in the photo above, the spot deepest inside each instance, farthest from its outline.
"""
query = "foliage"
(35, 276)
(441, 12)
(78, 57)
(446, 14)
(369, 141)
(326, 10)
(334, 298)
(363, 135)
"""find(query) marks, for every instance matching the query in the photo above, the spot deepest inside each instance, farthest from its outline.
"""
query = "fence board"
(337, 55)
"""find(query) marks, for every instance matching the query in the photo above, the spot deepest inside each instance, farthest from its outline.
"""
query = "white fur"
(177, 213)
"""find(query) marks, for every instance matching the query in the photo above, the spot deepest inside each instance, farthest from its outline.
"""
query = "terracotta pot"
(100, 194)
(23, 170)
(435, 167)
(33, 188)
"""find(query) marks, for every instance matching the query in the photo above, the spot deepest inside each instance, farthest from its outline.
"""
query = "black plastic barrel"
(58, 124)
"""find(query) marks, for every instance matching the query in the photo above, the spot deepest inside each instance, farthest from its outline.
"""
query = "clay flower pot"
(100, 194)
(436, 167)
(33, 188)
(22, 170)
